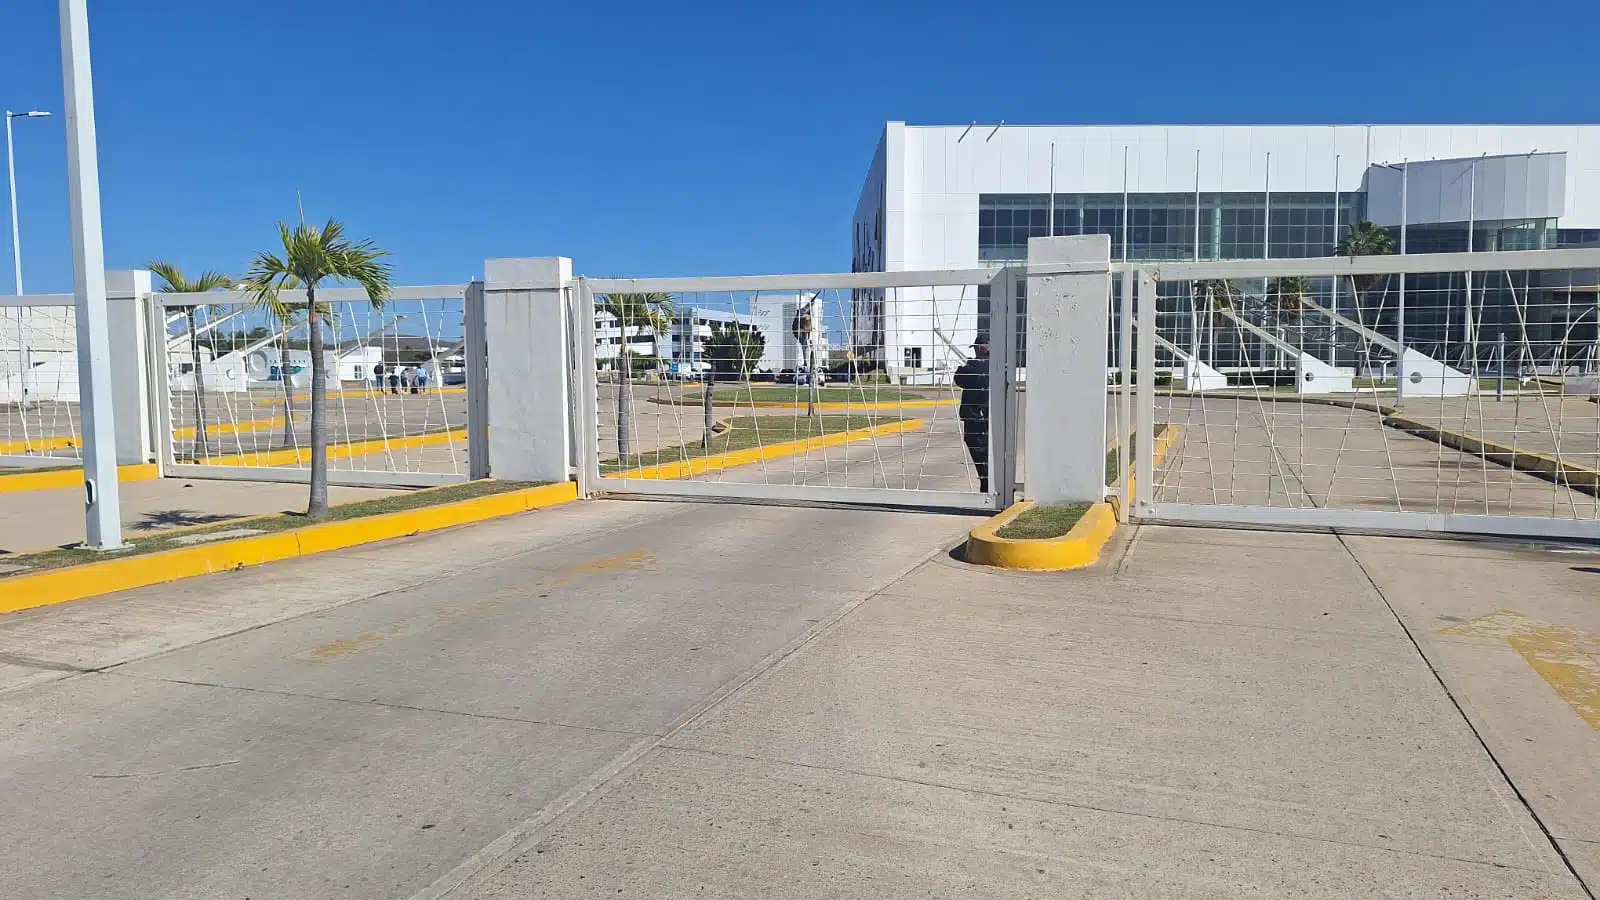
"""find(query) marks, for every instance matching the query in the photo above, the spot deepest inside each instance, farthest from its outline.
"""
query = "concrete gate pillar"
(525, 330)
(127, 299)
(1069, 293)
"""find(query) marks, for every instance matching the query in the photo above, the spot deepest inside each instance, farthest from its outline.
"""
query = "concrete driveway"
(690, 700)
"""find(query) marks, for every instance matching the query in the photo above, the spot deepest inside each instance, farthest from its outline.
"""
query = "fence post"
(525, 325)
(1069, 281)
(127, 292)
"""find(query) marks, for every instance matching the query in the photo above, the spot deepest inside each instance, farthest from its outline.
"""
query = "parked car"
(804, 376)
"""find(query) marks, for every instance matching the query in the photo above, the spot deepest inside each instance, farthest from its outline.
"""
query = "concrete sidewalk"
(1218, 714)
(44, 520)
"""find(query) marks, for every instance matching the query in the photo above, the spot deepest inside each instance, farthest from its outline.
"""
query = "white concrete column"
(127, 293)
(525, 320)
(1069, 283)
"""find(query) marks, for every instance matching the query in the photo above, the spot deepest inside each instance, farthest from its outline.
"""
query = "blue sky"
(704, 138)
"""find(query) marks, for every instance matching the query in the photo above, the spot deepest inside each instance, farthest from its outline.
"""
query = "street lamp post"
(102, 501)
(24, 361)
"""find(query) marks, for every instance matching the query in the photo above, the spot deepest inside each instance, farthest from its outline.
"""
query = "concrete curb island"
(1079, 548)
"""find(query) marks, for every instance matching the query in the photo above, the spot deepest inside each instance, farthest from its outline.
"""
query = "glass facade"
(1170, 226)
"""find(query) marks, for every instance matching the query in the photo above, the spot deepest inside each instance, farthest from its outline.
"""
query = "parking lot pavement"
(1217, 714)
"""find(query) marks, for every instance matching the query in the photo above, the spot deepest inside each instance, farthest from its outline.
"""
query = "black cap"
(981, 337)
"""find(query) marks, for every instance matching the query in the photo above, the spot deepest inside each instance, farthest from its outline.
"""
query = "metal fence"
(1441, 392)
(237, 377)
(844, 388)
(39, 382)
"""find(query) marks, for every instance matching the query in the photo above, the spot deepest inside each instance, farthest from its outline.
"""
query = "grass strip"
(1042, 522)
(745, 432)
(267, 524)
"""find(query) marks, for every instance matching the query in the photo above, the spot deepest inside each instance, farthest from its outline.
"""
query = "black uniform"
(973, 380)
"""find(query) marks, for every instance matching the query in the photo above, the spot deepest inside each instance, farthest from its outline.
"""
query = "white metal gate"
(231, 381)
(1452, 392)
(836, 388)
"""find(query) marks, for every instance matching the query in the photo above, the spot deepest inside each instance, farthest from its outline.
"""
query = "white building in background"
(683, 348)
(958, 197)
(49, 337)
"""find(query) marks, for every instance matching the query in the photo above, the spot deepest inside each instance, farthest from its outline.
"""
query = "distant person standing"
(377, 377)
(413, 376)
(973, 380)
(394, 379)
(422, 378)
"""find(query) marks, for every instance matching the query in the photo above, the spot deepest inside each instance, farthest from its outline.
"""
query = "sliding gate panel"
(1449, 392)
(859, 388)
(233, 379)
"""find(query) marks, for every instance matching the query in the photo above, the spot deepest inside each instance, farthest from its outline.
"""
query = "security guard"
(973, 380)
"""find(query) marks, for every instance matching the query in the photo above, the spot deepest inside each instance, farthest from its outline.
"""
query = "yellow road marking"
(336, 451)
(637, 559)
(72, 478)
(699, 465)
(38, 445)
(1566, 658)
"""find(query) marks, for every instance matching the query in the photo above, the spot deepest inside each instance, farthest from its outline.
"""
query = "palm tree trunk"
(317, 506)
(199, 389)
(625, 407)
(706, 404)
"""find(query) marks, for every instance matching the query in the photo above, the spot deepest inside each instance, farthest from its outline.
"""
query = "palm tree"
(1288, 296)
(285, 314)
(1365, 239)
(174, 282)
(652, 310)
(310, 256)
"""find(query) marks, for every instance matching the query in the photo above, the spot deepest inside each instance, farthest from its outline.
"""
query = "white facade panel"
(927, 181)
(934, 175)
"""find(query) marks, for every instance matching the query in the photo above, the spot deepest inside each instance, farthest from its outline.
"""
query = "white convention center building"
(965, 196)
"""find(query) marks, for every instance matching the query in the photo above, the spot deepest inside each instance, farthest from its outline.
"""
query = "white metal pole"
(11, 186)
(16, 264)
(1400, 312)
(1124, 202)
(103, 512)
(1333, 304)
(1197, 206)
(1266, 246)
(24, 357)
(1052, 231)
(1194, 314)
(1470, 338)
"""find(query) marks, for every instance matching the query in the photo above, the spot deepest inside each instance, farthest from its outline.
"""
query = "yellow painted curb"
(92, 579)
(187, 433)
(1169, 437)
(335, 451)
(1076, 549)
(699, 465)
(38, 445)
(71, 478)
(1541, 465)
